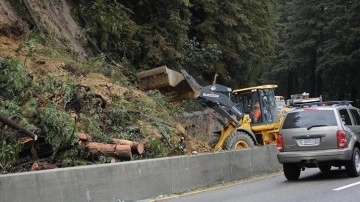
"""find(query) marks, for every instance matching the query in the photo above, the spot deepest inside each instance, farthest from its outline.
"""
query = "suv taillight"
(341, 139)
(280, 143)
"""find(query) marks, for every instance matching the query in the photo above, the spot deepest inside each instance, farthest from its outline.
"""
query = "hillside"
(57, 85)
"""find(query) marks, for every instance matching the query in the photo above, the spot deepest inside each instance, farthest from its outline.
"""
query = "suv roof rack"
(327, 103)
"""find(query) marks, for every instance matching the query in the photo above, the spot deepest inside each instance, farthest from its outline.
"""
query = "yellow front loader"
(249, 115)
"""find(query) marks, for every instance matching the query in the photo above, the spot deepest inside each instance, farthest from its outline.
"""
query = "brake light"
(341, 139)
(280, 143)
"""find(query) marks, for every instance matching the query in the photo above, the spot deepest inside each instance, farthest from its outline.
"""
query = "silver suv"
(320, 135)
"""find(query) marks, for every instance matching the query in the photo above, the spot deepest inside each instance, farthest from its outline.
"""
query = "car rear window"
(308, 118)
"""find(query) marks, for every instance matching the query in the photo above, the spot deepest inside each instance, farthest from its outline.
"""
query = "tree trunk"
(15, 126)
(84, 137)
(123, 152)
(136, 147)
(42, 166)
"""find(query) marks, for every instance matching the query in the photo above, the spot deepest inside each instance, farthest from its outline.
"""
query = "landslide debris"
(53, 86)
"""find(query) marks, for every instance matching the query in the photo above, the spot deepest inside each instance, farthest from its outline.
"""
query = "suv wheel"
(291, 171)
(353, 166)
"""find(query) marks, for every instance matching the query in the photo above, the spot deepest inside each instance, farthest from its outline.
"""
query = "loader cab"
(258, 102)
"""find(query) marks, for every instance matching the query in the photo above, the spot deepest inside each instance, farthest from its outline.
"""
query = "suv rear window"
(308, 118)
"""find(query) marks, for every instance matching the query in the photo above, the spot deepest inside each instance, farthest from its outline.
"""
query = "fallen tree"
(122, 152)
(15, 126)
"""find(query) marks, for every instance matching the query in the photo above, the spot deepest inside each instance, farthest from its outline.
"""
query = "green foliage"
(16, 90)
(156, 149)
(9, 152)
(9, 108)
(159, 110)
(14, 78)
(58, 127)
(30, 107)
(70, 157)
(109, 23)
(104, 159)
(164, 130)
(162, 32)
(68, 92)
(190, 106)
(201, 57)
(91, 125)
(243, 32)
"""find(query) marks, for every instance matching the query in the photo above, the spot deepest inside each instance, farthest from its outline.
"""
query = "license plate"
(310, 141)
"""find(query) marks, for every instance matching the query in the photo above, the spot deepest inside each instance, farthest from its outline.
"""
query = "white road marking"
(346, 186)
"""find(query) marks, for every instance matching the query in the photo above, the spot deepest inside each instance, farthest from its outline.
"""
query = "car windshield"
(309, 119)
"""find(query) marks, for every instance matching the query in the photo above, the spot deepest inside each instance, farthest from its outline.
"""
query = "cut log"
(122, 152)
(136, 147)
(23, 140)
(42, 166)
(84, 137)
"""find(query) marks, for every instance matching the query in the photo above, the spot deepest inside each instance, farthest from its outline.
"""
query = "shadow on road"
(333, 174)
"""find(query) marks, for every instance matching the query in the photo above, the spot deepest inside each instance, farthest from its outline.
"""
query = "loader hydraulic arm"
(214, 96)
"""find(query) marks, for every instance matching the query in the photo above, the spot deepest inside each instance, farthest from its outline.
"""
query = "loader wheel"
(239, 140)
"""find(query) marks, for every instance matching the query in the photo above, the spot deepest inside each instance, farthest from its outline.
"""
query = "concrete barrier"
(136, 180)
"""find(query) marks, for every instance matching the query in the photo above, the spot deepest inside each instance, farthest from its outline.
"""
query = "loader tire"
(238, 140)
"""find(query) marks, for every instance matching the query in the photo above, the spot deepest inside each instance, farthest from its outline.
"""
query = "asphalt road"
(312, 186)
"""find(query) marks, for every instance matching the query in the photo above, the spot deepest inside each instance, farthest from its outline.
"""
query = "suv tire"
(353, 166)
(291, 171)
(239, 140)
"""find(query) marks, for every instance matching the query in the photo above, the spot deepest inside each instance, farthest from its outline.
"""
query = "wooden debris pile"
(119, 149)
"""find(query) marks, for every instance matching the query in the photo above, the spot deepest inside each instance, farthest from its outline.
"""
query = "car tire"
(291, 171)
(353, 166)
(239, 140)
(325, 168)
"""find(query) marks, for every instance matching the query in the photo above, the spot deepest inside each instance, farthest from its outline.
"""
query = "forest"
(300, 45)
(68, 69)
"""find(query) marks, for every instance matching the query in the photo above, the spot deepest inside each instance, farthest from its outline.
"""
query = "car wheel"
(239, 140)
(325, 168)
(353, 166)
(291, 171)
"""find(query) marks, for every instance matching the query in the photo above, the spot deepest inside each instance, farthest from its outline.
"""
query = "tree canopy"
(318, 50)
(301, 45)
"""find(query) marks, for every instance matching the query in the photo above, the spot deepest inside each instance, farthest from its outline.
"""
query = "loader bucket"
(178, 86)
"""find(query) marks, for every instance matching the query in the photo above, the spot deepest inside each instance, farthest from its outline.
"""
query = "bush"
(58, 127)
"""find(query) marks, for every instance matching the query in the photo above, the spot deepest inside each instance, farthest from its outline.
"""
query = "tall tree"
(163, 31)
(243, 30)
(339, 60)
(300, 29)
